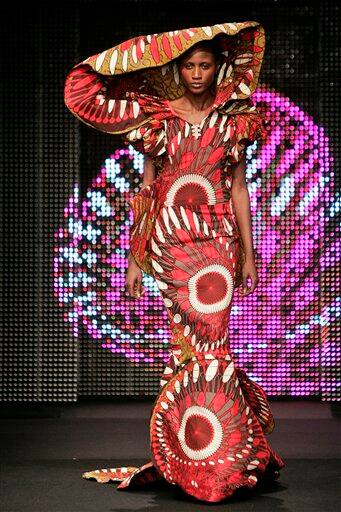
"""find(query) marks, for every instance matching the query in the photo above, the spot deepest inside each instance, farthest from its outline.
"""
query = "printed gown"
(209, 422)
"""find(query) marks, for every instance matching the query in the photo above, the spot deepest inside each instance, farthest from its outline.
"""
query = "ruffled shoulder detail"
(152, 106)
(244, 129)
(149, 138)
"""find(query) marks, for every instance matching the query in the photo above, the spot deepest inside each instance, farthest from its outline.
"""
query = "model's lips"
(197, 84)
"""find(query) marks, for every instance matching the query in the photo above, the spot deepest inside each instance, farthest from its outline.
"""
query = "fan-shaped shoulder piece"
(121, 88)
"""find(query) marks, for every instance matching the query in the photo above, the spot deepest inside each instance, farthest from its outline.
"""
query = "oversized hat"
(121, 88)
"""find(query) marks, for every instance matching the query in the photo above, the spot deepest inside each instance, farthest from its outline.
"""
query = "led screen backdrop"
(42, 160)
(100, 343)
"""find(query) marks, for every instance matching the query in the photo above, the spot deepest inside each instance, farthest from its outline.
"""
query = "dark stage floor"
(43, 459)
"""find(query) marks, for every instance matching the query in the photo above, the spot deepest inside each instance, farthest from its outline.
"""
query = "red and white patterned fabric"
(209, 421)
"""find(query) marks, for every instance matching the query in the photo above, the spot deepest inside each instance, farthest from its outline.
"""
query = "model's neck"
(200, 101)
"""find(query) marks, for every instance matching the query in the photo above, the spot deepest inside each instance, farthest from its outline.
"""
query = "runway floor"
(45, 451)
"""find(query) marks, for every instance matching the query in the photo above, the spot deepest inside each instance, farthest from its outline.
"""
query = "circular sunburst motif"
(200, 433)
(191, 189)
(202, 420)
(211, 289)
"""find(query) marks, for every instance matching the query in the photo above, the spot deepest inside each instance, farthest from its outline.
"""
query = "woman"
(182, 98)
(198, 67)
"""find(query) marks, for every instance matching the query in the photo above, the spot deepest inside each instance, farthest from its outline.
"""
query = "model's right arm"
(148, 178)
(149, 171)
(134, 275)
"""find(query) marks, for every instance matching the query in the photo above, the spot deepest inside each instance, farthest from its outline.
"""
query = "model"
(182, 98)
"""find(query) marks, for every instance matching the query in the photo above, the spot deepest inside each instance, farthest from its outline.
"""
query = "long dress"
(209, 422)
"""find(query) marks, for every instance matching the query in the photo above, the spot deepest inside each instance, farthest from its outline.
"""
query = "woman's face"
(197, 70)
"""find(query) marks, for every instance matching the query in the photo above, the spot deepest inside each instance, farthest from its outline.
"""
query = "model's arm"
(148, 178)
(241, 206)
(148, 172)
(134, 275)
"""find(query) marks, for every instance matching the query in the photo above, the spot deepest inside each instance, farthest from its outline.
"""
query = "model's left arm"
(241, 205)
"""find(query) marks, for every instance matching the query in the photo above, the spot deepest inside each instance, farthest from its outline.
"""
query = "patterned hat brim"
(102, 89)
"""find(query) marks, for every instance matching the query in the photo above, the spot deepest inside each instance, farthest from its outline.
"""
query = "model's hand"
(249, 272)
(133, 282)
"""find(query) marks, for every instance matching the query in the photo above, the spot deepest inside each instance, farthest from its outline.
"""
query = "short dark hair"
(209, 45)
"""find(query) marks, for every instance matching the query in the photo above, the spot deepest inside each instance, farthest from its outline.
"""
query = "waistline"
(222, 208)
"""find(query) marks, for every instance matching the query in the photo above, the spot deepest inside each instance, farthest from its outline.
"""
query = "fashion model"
(182, 98)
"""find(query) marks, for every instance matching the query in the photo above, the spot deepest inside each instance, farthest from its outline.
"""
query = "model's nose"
(197, 76)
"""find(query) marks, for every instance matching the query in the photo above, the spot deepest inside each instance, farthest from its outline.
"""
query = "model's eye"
(205, 66)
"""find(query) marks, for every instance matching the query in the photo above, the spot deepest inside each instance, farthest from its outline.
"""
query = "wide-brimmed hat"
(103, 90)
